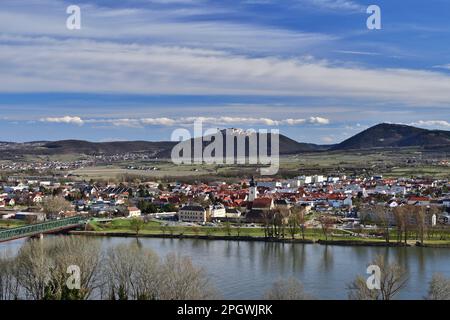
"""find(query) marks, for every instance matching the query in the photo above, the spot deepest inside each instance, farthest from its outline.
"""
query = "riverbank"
(156, 229)
(336, 242)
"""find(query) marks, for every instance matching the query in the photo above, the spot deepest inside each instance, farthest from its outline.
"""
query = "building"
(192, 213)
(253, 191)
(133, 212)
(216, 211)
(30, 216)
(263, 204)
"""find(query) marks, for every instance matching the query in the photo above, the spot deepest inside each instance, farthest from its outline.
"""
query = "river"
(244, 270)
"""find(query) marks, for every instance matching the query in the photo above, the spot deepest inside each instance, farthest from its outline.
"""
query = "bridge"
(41, 228)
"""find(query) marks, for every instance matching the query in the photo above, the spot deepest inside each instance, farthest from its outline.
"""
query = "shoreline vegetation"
(353, 242)
(154, 229)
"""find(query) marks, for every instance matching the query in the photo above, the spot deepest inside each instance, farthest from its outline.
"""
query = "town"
(322, 207)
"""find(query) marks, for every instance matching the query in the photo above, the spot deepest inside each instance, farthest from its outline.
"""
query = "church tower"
(253, 191)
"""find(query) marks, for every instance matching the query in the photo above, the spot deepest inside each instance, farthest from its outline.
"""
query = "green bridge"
(41, 228)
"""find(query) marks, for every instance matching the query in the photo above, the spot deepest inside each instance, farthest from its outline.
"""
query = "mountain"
(286, 145)
(387, 135)
(379, 136)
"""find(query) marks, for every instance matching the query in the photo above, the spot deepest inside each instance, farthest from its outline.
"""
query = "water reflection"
(244, 270)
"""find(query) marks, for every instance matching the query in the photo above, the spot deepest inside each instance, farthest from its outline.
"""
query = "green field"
(390, 163)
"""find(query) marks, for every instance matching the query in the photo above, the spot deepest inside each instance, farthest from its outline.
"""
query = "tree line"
(39, 272)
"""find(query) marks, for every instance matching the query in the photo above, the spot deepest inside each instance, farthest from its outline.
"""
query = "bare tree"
(238, 227)
(82, 252)
(439, 288)
(383, 218)
(181, 280)
(32, 269)
(393, 279)
(358, 290)
(400, 216)
(327, 223)
(132, 273)
(289, 289)
(136, 225)
(9, 287)
(54, 205)
(227, 228)
(41, 267)
(293, 224)
(420, 218)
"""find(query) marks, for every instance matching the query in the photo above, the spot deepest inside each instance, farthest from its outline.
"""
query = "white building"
(217, 211)
(133, 212)
(252, 191)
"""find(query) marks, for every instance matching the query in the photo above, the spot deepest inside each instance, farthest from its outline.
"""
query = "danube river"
(244, 270)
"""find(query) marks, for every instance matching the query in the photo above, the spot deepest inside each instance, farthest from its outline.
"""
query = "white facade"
(217, 211)
(252, 193)
(134, 212)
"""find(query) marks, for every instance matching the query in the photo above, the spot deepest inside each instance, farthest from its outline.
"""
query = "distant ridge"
(387, 135)
(383, 135)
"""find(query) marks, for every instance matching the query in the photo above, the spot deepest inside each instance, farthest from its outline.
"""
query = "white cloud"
(431, 123)
(105, 67)
(344, 5)
(319, 120)
(186, 121)
(65, 119)
(328, 139)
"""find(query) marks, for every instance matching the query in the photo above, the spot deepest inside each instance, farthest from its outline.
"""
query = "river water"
(245, 270)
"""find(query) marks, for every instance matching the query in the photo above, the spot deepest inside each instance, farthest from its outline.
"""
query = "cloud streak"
(186, 121)
(53, 65)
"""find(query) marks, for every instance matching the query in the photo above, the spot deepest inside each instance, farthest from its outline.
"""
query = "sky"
(139, 69)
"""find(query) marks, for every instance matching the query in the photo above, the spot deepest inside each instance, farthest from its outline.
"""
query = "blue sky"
(138, 69)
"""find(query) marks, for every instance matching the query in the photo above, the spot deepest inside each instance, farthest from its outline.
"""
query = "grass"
(7, 224)
(121, 226)
(153, 227)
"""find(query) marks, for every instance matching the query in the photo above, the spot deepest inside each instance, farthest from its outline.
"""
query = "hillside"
(386, 135)
(379, 136)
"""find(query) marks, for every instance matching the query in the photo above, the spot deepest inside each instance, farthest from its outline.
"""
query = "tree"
(132, 273)
(54, 205)
(290, 289)
(169, 208)
(327, 223)
(238, 227)
(9, 287)
(302, 220)
(382, 215)
(147, 207)
(393, 279)
(297, 220)
(400, 216)
(41, 267)
(293, 224)
(420, 218)
(181, 280)
(136, 225)
(227, 228)
(83, 253)
(439, 288)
